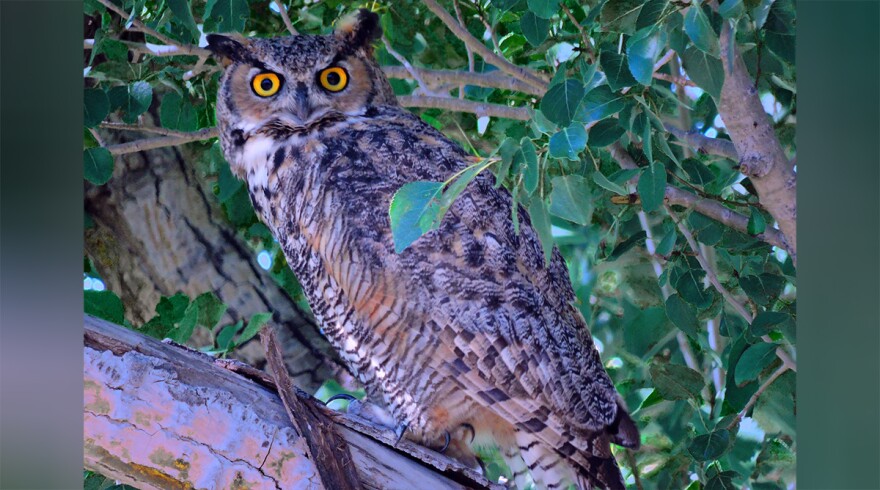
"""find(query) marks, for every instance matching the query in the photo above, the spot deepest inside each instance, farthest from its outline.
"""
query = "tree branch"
(707, 207)
(704, 144)
(761, 157)
(182, 48)
(285, 17)
(459, 105)
(451, 77)
(153, 143)
(760, 391)
(161, 416)
(525, 74)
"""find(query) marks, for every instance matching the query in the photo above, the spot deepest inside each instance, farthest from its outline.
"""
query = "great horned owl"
(467, 331)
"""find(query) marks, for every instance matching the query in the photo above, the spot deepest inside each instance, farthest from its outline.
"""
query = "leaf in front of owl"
(541, 222)
(413, 212)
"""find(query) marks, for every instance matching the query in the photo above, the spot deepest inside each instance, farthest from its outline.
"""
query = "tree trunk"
(158, 230)
(160, 416)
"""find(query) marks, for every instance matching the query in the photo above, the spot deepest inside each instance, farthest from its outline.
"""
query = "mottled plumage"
(465, 329)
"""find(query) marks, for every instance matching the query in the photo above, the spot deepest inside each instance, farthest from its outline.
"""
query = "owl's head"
(299, 81)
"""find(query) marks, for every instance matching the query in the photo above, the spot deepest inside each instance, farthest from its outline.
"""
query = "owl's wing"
(525, 349)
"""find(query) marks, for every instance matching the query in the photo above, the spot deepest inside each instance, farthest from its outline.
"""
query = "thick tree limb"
(160, 416)
(761, 157)
(157, 229)
(706, 207)
(181, 48)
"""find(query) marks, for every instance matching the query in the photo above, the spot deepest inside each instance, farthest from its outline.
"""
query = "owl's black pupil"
(333, 78)
(266, 84)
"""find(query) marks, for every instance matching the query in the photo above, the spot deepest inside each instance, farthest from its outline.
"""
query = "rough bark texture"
(761, 156)
(159, 230)
(159, 416)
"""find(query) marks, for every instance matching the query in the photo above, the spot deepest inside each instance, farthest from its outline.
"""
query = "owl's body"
(466, 328)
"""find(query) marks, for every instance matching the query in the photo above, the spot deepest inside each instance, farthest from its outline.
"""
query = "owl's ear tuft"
(359, 29)
(228, 49)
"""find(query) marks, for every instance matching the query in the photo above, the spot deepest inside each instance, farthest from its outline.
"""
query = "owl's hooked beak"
(300, 107)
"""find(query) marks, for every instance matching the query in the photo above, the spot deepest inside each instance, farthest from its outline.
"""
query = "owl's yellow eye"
(266, 84)
(334, 78)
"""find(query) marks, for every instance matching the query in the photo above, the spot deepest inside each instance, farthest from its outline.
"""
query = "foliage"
(686, 359)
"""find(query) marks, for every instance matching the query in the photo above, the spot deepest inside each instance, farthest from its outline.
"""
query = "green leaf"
(534, 28)
(753, 361)
(96, 106)
(688, 281)
(675, 382)
(722, 481)
(711, 446)
(762, 288)
(652, 399)
(225, 338)
(508, 149)
(779, 33)
(757, 224)
(544, 9)
(113, 49)
(413, 212)
(211, 309)
(187, 324)
(765, 322)
(642, 50)
(626, 245)
(226, 15)
(570, 199)
(104, 304)
(682, 315)
(604, 183)
(561, 102)
(531, 170)
(253, 327)
(604, 133)
(652, 13)
(541, 223)
(184, 17)
(668, 243)
(568, 142)
(97, 165)
(620, 15)
(616, 70)
(598, 104)
(134, 99)
(652, 186)
(705, 70)
(177, 113)
(697, 27)
(731, 9)
(706, 230)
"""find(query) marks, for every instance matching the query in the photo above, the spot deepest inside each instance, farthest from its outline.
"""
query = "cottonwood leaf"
(598, 104)
(570, 199)
(226, 15)
(652, 186)
(682, 315)
(534, 28)
(178, 113)
(541, 222)
(97, 165)
(753, 361)
(698, 28)
(413, 212)
(620, 15)
(568, 142)
(544, 9)
(711, 446)
(604, 133)
(616, 70)
(676, 382)
(705, 70)
(96, 106)
(561, 102)
(642, 50)
(104, 304)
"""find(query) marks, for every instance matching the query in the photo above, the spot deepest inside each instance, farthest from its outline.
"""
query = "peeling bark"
(160, 416)
(761, 157)
(159, 231)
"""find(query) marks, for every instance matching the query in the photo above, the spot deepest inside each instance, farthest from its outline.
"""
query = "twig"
(754, 399)
(433, 78)
(492, 34)
(153, 143)
(96, 136)
(680, 81)
(470, 53)
(704, 144)
(707, 207)
(184, 48)
(330, 451)
(525, 74)
(460, 105)
(725, 293)
(285, 17)
(635, 469)
(406, 64)
(662, 61)
(588, 48)
(145, 129)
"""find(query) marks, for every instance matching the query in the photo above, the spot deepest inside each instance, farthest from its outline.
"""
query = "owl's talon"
(471, 427)
(399, 431)
(446, 443)
(340, 396)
